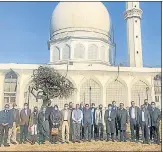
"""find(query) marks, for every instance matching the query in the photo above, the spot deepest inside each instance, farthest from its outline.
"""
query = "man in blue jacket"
(5, 124)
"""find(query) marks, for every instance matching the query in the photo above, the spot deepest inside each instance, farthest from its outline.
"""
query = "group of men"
(80, 123)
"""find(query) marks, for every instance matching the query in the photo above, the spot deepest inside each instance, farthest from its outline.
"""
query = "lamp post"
(90, 95)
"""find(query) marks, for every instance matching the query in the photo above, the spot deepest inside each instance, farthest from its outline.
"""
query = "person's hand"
(148, 126)
(109, 119)
(5, 124)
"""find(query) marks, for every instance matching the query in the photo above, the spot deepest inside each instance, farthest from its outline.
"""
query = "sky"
(24, 31)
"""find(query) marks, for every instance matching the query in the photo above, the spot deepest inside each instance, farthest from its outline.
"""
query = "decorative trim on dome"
(82, 32)
(133, 13)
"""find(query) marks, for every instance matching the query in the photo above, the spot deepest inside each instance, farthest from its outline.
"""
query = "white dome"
(80, 15)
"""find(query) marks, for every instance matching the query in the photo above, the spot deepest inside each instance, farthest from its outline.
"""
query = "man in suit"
(122, 118)
(77, 116)
(15, 123)
(114, 107)
(99, 121)
(145, 123)
(93, 126)
(148, 107)
(5, 124)
(65, 119)
(110, 116)
(25, 115)
(87, 122)
(71, 108)
(155, 115)
(134, 121)
(82, 127)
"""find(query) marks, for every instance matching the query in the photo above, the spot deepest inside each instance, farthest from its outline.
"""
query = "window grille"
(66, 52)
(102, 51)
(139, 92)
(56, 54)
(115, 91)
(90, 92)
(92, 52)
(79, 51)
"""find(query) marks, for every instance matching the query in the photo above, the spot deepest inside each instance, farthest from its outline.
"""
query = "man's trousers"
(145, 132)
(12, 133)
(123, 135)
(23, 132)
(100, 130)
(76, 131)
(134, 126)
(3, 134)
(87, 128)
(65, 131)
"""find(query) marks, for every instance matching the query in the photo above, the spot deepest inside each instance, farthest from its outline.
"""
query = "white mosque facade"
(81, 46)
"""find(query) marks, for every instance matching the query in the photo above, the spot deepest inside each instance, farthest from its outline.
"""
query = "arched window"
(102, 52)
(79, 51)
(92, 52)
(115, 91)
(139, 92)
(10, 87)
(66, 52)
(90, 92)
(56, 54)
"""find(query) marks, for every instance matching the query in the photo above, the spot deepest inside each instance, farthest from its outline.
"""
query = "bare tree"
(47, 83)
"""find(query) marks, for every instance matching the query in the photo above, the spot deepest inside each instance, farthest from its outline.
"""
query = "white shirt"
(109, 113)
(66, 115)
(26, 111)
(133, 113)
(143, 119)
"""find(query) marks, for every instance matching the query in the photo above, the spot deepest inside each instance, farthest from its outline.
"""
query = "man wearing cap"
(14, 124)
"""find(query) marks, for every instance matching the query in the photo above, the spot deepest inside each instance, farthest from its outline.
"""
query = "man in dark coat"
(71, 108)
(155, 115)
(93, 126)
(43, 125)
(49, 109)
(5, 124)
(109, 117)
(114, 107)
(25, 115)
(134, 121)
(122, 118)
(145, 123)
(87, 122)
(148, 107)
(15, 123)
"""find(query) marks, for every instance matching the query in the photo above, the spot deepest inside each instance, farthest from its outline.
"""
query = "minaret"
(133, 16)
